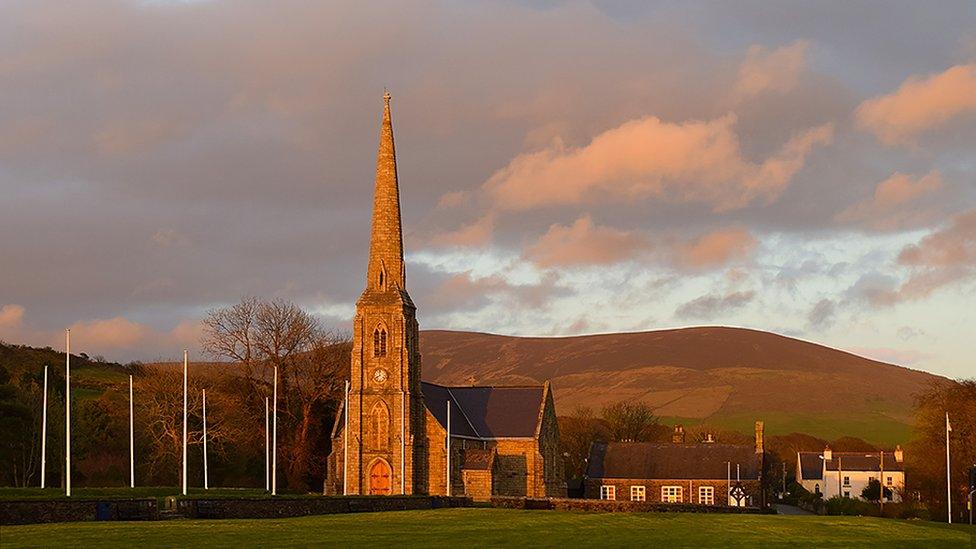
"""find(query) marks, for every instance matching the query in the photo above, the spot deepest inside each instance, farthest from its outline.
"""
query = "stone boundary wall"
(571, 504)
(245, 508)
(33, 511)
(76, 510)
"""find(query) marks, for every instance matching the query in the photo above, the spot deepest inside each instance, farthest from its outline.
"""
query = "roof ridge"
(461, 408)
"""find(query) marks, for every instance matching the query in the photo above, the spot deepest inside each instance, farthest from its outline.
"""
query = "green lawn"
(501, 527)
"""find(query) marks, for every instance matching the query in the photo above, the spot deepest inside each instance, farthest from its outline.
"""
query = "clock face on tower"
(379, 375)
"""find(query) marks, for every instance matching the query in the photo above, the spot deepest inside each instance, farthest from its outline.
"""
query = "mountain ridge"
(718, 375)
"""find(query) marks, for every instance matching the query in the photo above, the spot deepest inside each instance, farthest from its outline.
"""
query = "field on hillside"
(502, 527)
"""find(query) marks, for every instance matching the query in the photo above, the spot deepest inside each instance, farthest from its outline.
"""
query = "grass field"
(501, 527)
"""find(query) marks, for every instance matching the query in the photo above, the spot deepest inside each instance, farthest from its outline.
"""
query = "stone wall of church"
(477, 484)
(551, 475)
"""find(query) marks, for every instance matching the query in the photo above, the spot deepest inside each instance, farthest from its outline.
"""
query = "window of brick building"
(608, 492)
(847, 493)
(638, 493)
(671, 494)
(889, 481)
(379, 341)
(706, 495)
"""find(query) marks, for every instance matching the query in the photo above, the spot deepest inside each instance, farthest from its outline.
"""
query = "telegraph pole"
(44, 432)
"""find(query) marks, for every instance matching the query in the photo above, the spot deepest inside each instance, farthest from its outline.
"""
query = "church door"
(379, 479)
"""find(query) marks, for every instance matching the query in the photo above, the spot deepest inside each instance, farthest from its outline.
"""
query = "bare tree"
(262, 335)
(631, 422)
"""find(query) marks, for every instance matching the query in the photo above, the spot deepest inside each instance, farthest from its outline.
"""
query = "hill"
(723, 377)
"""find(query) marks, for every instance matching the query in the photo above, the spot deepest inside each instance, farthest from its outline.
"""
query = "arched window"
(816, 488)
(379, 427)
(379, 341)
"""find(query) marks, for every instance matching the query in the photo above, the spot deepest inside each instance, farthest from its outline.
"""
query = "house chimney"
(709, 438)
(759, 437)
(679, 435)
(899, 454)
(828, 454)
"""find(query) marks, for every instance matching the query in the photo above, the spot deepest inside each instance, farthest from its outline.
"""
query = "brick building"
(391, 433)
(707, 473)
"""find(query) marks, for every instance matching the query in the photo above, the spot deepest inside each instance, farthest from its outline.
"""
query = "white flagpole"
(44, 432)
(345, 445)
(184, 418)
(206, 482)
(267, 448)
(948, 471)
(132, 438)
(447, 470)
(728, 483)
(274, 438)
(67, 412)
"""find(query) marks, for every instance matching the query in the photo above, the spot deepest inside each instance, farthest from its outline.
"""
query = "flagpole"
(267, 448)
(948, 471)
(184, 418)
(67, 412)
(206, 483)
(44, 432)
(448, 468)
(132, 446)
(345, 444)
(274, 438)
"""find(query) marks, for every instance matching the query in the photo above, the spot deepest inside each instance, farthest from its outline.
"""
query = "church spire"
(386, 268)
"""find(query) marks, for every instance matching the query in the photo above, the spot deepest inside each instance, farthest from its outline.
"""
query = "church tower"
(387, 442)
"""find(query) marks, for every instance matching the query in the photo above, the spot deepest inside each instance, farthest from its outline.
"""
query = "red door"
(379, 479)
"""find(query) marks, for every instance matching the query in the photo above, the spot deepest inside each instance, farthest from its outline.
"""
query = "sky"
(806, 168)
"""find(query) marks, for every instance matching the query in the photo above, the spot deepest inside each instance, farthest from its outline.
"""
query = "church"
(396, 434)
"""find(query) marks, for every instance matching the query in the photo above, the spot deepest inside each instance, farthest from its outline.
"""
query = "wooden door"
(379, 479)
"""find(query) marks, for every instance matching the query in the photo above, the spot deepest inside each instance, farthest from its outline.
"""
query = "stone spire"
(386, 270)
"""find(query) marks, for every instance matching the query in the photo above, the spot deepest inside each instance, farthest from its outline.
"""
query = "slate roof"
(662, 461)
(486, 412)
(810, 466)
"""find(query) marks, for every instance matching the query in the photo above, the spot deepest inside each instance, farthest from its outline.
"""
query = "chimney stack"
(899, 454)
(760, 442)
(709, 438)
(828, 455)
(679, 435)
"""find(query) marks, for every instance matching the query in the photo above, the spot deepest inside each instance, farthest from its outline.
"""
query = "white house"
(848, 473)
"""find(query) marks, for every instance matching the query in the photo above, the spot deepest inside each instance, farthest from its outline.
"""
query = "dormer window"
(379, 341)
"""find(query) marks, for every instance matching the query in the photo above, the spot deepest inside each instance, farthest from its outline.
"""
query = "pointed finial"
(386, 96)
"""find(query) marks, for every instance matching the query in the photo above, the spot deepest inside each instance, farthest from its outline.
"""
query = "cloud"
(117, 337)
(766, 70)
(708, 306)
(822, 314)
(715, 248)
(466, 291)
(944, 257)
(476, 233)
(584, 243)
(899, 202)
(920, 104)
(695, 161)
(11, 317)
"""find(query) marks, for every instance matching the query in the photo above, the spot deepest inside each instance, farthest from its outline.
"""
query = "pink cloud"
(777, 70)
(118, 337)
(897, 203)
(696, 161)
(477, 233)
(584, 243)
(920, 104)
(715, 248)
